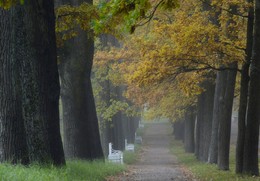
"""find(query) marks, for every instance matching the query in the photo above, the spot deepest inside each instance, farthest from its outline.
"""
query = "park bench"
(115, 156)
(141, 125)
(129, 147)
(138, 139)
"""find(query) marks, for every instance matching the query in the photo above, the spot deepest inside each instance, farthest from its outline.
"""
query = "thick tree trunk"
(207, 119)
(13, 146)
(81, 131)
(217, 112)
(204, 121)
(36, 51)
(244, 93)
(225, 120)
(252, 127)
(189, 130)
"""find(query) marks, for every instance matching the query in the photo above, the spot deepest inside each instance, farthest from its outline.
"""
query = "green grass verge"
(132, 157)
(205, 171)
(75, 170)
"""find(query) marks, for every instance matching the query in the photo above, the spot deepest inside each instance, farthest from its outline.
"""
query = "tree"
(250, 164)
(34, 50)
(225, 120)
(204, 120)
(244, 92)
(81, 131)
(13, 140)
(189, 139)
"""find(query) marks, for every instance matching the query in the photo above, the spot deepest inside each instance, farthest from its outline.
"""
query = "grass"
(75, 170)
(208, 172)
(132, 157)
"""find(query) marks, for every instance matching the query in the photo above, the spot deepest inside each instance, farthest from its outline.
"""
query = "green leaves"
(114, 17)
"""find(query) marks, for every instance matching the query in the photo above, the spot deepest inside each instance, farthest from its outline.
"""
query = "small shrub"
(131, 157)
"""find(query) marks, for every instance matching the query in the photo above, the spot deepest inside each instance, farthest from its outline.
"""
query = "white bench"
(138, 139)
(141, 125)
(115, 156)
(129, 147)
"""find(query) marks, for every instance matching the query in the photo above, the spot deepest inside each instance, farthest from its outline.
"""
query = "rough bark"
(225, 120)
(36, 51)
(13, 146)
(252, 125)
(244, 93)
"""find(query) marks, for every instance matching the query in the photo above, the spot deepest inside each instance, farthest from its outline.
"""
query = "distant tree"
(189, 123)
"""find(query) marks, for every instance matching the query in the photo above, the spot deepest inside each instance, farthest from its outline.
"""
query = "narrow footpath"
(156, 162)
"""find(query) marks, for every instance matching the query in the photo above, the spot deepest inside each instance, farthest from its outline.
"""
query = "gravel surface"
(156, 162)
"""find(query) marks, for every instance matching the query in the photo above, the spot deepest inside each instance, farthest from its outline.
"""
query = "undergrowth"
(74, 170)
(132, 157)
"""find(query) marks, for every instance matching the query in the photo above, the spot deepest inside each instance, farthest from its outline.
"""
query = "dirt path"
(156, 163)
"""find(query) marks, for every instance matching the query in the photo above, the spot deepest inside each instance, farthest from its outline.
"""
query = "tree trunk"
(204, 120)
(131, 129)
(105, 125)
(252, 127)
(197, 130)
(217, 112)
(189, 130)
(207, 118)
(81, 131)
(36, 51)
(225, 120)
(13, 146)
(244, 93)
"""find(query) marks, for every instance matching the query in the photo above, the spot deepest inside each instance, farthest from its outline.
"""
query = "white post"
(125, 143)
(110, 148)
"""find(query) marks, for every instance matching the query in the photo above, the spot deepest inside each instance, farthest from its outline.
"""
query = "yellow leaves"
(189, 84)
(163, 64)
(6, 4)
